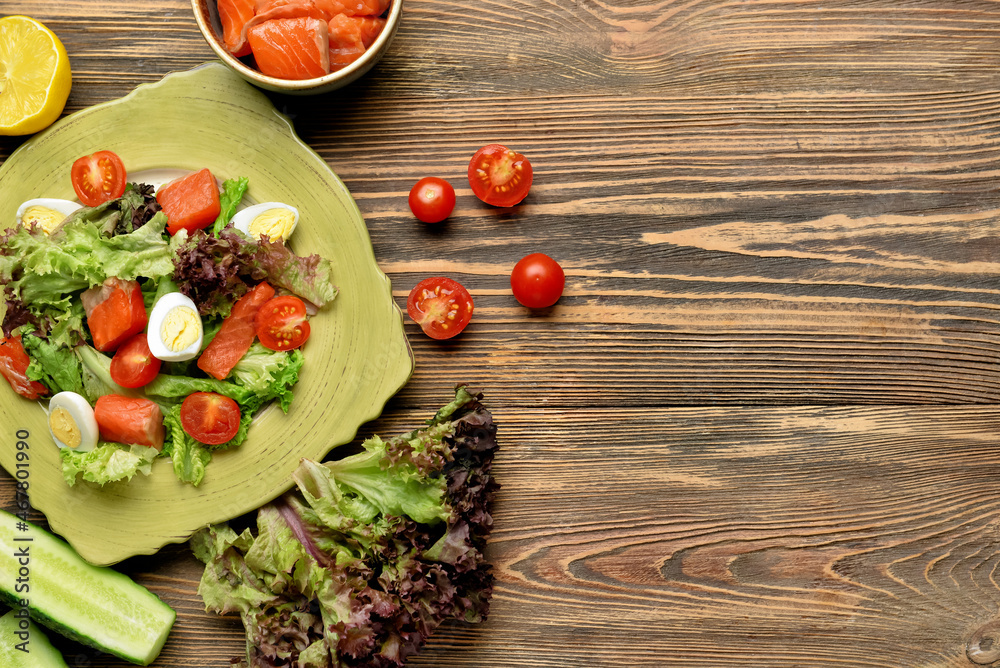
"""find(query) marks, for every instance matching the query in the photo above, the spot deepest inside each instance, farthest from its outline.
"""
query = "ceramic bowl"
(356, 358)
(207, 16)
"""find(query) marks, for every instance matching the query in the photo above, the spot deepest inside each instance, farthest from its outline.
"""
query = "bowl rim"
(349, 73)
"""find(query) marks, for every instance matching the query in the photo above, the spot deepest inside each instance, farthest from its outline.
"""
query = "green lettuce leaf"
(222, 550)
(108, 462)
(177, 387)
(230, 198)
(269, 374)
(55, 366)
(95, 369)
(310, 277)
(78, 256)
(393, 491)
(189, 457)
(44, 274)
(123, 215)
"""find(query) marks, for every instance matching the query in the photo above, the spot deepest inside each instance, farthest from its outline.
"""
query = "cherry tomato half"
(281, 323)
(133, 364)
(432, 199)
(537, 281)
(441, 306)
(98, 177)
(499, 176)
(210, 418)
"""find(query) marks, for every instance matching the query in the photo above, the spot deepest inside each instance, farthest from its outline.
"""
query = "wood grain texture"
(684, 536)
(760, 427)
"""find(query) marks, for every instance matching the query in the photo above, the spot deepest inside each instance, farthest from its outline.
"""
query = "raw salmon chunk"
(369, 27)
(190, 202)
(350, 36)
(136, 420)
(326, 9)
(235, 14)
(285, 9)
(357, 7)
(289, 10)
(294, 48)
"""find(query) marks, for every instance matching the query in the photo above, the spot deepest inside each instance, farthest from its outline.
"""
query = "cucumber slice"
(93, 605)
(25, 646)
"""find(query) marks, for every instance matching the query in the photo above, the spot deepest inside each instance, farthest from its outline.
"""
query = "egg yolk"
(275, 223)
(181, 327)
(43, 217)
(64, 428)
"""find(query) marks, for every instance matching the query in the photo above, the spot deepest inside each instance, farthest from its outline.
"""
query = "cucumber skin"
(11, 598)
(59, 628)
(41, 655)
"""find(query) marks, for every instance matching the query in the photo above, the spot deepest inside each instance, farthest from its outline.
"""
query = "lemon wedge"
(35, 77)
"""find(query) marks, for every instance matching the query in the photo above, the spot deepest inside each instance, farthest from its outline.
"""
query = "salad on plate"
(154, 319)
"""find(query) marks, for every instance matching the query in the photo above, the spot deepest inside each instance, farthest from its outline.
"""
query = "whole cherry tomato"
(537, 281)
(432, 199)
(499, 176)
(442, 307)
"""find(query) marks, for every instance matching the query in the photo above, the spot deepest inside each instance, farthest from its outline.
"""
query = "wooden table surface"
(760, 427)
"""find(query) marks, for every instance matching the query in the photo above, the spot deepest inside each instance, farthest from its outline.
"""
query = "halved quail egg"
(45, 212)
(174, 332)
(72, 422)
(275, 220)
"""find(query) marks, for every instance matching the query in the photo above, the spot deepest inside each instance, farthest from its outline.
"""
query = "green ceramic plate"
(357, 356)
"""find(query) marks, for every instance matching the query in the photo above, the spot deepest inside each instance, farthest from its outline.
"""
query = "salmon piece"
(343, 56)
(235, 14)
(271, 10)
(284, 9)
(236, 334)
(325, 9)
(190, 202)
(293, 48)
(368, 28)
(350, 36)
(130, 420)
(115, 312)
(291, 9)
(355, 7)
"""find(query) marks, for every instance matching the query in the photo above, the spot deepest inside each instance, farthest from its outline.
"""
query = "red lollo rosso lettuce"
(17, 314)
(215, 271)
(360, 563)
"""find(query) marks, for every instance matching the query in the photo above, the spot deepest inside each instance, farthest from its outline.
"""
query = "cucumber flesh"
(94, 605)
(24, 645)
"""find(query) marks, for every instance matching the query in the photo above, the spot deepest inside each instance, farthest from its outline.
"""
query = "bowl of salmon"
(300, 47)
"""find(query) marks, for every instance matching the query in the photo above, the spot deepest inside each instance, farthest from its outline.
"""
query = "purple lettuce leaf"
(215, 271)
(340, 574)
